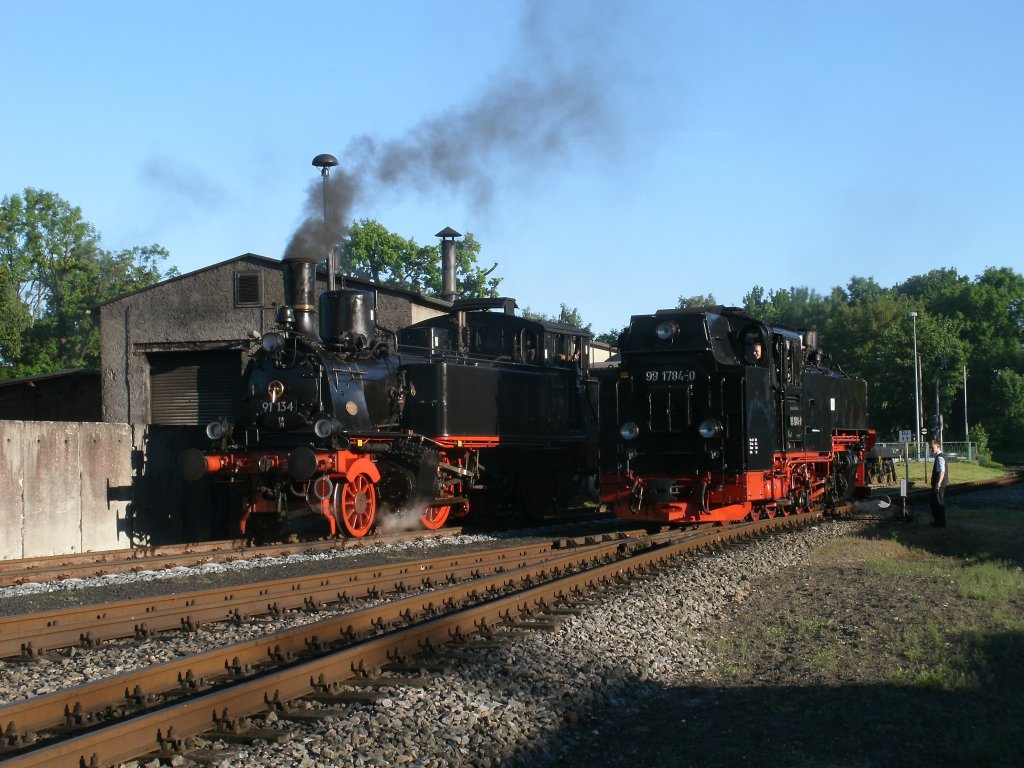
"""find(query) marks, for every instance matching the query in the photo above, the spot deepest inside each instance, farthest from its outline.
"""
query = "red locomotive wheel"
(358, 505)
(434, 517)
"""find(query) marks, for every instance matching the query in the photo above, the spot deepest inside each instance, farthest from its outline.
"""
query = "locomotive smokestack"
(325, 163)
(448, 287)
(300, 295)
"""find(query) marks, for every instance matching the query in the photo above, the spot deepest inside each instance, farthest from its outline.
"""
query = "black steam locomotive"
(343, 426)
(714, 416)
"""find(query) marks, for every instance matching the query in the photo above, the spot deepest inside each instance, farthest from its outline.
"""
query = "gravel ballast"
(532, 701)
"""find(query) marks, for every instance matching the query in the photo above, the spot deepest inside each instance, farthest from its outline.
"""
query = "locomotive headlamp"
(271, 342)
(217, 430)
(710, 428)
(629, 431)
(666, 331)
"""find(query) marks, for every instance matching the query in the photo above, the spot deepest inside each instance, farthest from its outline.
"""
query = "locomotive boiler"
(715, 416)
(343, 426)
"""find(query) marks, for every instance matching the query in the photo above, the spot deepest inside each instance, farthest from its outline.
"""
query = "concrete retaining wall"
(64, 487)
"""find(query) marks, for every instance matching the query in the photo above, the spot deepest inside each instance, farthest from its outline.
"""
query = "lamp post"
(967, 434)
(325, 163)
(917, 389)
(940, 366)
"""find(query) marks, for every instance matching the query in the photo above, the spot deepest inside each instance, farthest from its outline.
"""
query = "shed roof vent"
(248, 289)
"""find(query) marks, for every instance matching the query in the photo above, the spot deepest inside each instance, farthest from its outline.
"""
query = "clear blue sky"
(609, 155)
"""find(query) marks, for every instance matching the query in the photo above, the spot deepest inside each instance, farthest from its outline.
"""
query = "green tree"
(1009, 397)
(979, 435)
(756, 303)
(51, 253)
(988, 313)
(52, 270)
(611, 336)
(566, 315)
(796, 307)
(688, 302)
(130, 270)
(372, 252)
(14, 319)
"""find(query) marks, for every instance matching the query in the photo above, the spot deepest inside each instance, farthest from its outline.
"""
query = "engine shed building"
(173, 353)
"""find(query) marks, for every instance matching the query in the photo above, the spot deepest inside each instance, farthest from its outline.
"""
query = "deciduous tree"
(372, 252)
(566, 315)
(52, 270)
(687, 302)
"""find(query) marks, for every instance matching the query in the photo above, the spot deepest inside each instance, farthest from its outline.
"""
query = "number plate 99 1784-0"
(669, 376)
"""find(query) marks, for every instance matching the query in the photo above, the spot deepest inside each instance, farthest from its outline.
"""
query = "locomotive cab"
(515, 387)
(496, 375)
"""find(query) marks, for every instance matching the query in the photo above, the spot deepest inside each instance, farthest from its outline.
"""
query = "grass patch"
(920, 473)
(995, 580)
(899, 647)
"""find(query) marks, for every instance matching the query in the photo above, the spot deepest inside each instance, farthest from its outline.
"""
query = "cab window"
(488, 341)
(527, 347)
(754, 352)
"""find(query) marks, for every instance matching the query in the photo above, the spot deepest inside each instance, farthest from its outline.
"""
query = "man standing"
(940, 478)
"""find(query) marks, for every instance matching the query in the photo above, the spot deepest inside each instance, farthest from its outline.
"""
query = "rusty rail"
(371, 637)
(87, 564)
(29, 635)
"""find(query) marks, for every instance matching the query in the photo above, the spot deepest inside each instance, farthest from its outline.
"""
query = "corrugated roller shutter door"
(188, 388)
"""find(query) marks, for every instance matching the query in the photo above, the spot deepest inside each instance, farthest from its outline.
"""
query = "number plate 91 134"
(281, 406)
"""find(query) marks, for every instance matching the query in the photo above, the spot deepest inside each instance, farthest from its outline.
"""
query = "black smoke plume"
(554, 99)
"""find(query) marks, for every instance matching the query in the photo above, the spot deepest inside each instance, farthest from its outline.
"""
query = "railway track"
(316, 667)
(145, 558)
(30, 635)
(89, 564)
